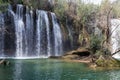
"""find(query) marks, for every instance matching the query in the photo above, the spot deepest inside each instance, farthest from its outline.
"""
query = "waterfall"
(2, 30)
(57, 35)
(37, 33)
(29, 31)
(115, 35)
(21, 41)
(43, 32)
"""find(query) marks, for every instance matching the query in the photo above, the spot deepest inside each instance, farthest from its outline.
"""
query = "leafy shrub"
(95, 43)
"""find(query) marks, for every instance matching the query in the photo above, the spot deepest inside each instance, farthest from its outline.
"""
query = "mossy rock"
(107, 62)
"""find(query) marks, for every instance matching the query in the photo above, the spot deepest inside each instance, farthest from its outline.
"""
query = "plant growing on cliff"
(4, 5)
(95, 43)
(116, 9)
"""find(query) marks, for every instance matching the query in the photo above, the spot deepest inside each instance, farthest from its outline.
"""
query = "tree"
(104, 17)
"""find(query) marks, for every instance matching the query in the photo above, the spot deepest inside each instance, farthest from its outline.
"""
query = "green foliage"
(107, 62)
(4, 5)
(38, 4)
(116, 9)
(4, 2)
(60, 8)
(85, 10)
(75, 9)
(95, 43)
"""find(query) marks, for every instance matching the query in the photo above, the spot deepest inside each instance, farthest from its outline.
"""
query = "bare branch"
(116, 52)
(114, 29)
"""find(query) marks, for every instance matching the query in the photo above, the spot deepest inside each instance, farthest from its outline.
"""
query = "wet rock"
(4, 62)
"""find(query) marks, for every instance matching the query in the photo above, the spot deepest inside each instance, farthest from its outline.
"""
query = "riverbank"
(84, 56)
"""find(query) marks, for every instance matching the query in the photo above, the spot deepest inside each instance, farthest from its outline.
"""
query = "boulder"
(4, 62)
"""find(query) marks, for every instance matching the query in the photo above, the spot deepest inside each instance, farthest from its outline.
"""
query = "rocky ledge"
(84, 55)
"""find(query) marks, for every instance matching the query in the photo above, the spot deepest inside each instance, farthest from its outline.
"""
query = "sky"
(95, 1)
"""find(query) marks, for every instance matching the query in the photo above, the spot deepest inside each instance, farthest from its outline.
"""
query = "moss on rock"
(107, 62)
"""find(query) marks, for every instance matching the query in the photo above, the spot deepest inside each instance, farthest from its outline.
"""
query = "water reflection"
(114, 75)
(47, 71)
(17, 70)
(37, 70)
(56, 70)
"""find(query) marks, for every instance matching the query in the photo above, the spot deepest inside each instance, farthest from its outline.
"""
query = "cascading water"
(36, 34)
(42, 34)
(29, 31)
(57, 35)
(21, 41)
(115, 35)
(2, 30)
